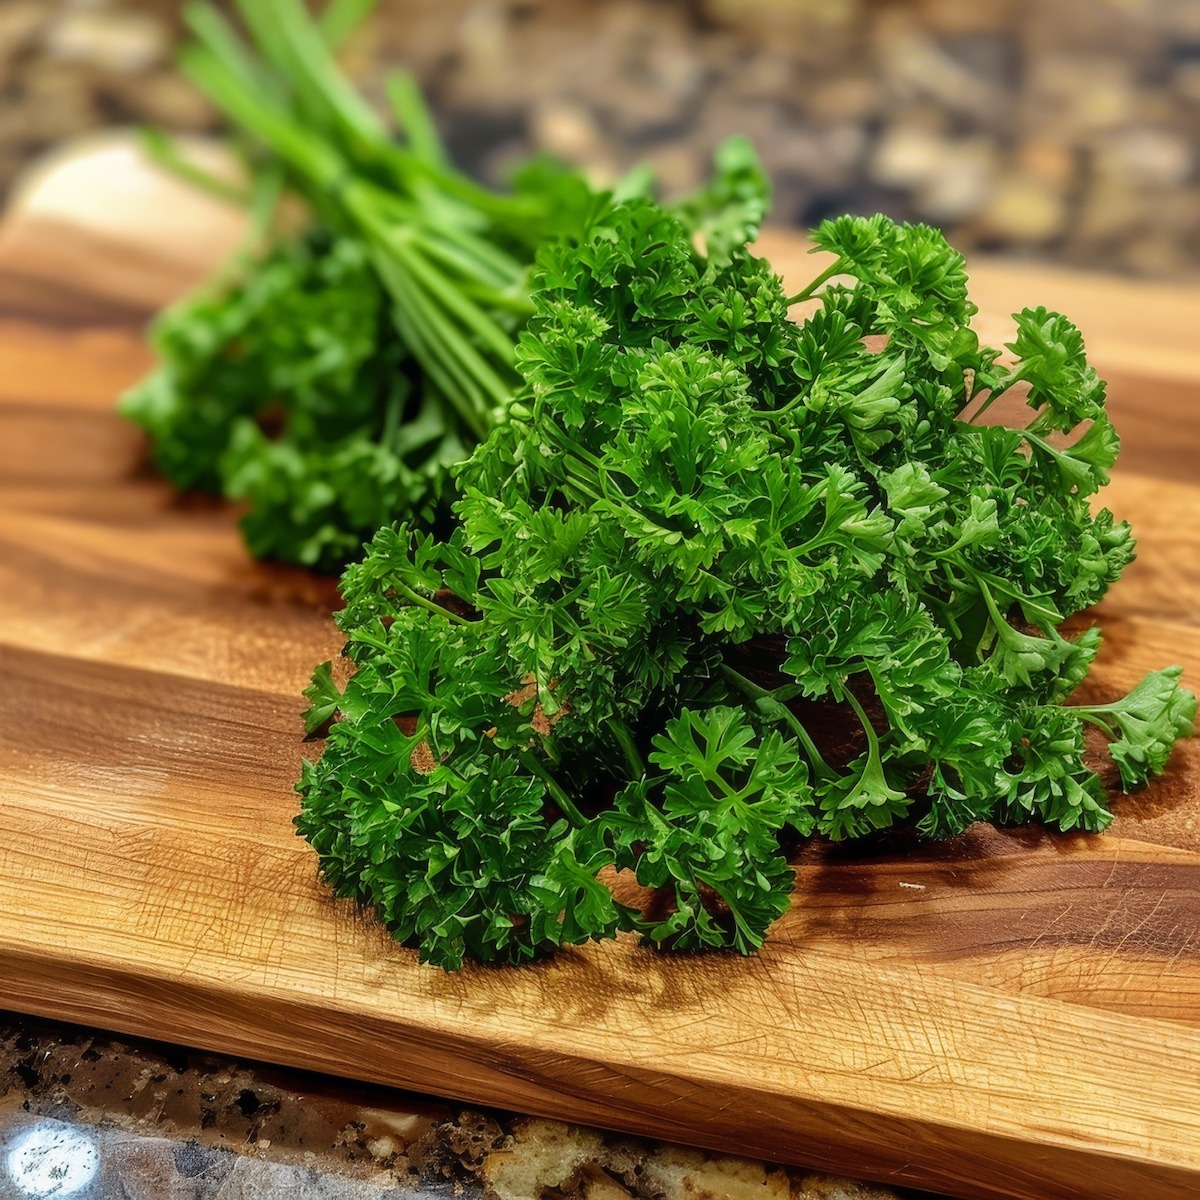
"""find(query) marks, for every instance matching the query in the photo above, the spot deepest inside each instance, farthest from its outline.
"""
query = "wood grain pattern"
(1009, 1014)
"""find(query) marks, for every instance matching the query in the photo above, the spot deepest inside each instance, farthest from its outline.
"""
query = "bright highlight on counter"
(51, 1162)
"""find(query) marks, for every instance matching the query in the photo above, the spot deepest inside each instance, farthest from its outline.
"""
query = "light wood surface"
(1007, 1015)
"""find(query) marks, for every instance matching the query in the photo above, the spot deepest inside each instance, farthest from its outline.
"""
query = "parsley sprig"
(724, 580)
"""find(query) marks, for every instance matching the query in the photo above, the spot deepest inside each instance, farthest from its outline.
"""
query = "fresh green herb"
(292, 391)
(725, 580)
(329, 382)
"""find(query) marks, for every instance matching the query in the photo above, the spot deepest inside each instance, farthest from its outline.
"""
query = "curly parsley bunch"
(725, 580)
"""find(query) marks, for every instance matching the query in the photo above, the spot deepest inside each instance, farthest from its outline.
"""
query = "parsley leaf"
(1145, 724)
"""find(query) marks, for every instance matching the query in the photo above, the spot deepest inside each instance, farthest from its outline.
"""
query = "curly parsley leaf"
(1145, 724)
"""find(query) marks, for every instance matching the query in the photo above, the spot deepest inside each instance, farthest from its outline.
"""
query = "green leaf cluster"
(727, 578)
(292, 392)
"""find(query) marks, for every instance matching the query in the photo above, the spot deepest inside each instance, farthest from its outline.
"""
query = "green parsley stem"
(775, 709)
(449, 364)
(808, 292)
(1092, 715)
(868, 728)
(456, 303)
(406, 102)
(1002, 625)
(489, 277)
(564, 802)
(624, 736)
(164, 152)
(416, 598)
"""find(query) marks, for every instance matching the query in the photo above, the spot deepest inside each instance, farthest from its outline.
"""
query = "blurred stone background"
(1066, 129)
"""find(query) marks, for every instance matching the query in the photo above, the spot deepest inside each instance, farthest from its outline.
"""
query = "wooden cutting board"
(1006, 1015)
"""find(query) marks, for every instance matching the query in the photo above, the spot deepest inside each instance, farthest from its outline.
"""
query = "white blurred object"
(51, 1160)
(149, 235)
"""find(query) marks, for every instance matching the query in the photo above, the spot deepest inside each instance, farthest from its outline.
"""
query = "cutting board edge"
(808, 1132)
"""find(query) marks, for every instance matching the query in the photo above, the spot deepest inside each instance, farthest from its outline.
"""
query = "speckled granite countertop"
(86, 1116)
(1059, 127)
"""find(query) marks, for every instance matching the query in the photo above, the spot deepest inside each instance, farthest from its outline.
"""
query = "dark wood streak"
(992, 890)
(59, 304)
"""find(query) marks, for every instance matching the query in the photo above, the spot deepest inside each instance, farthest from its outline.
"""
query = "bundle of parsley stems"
(331, 383)
(720, 580)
